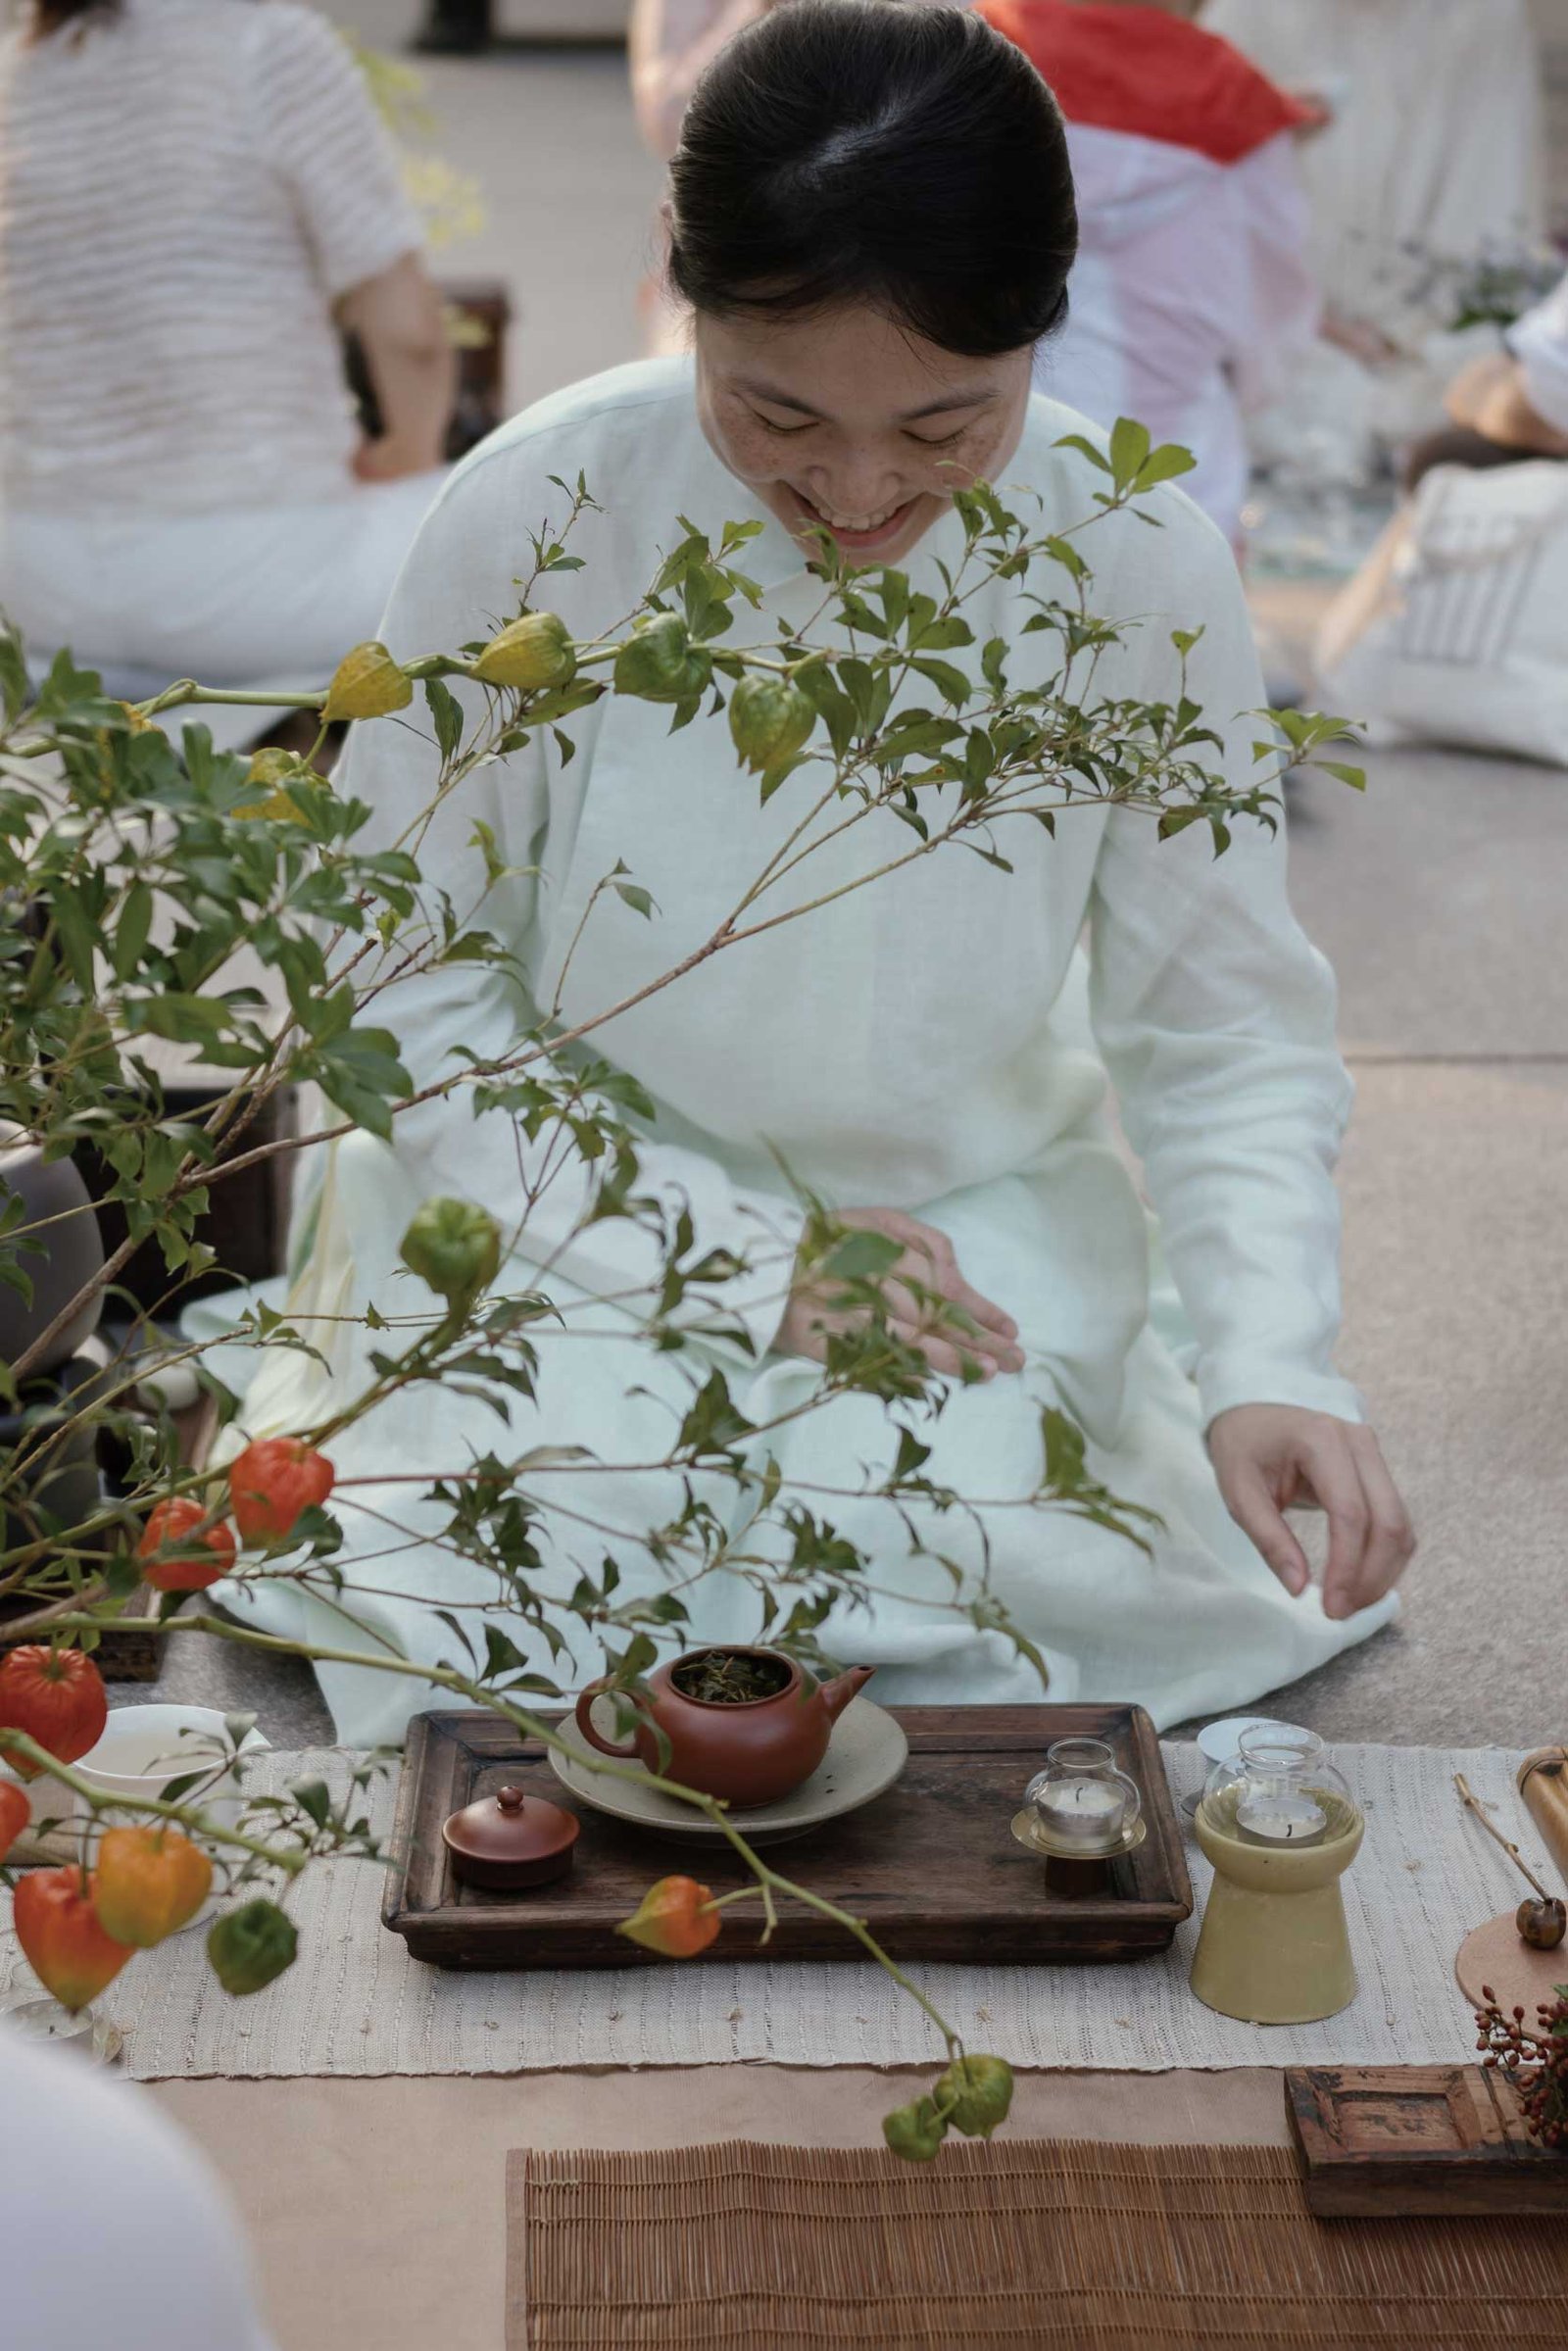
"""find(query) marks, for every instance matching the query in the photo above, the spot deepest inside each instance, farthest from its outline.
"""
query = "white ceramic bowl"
(144, 1748)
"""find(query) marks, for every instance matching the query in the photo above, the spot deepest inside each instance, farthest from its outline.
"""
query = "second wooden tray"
(1384, 2142)
(931, 1865)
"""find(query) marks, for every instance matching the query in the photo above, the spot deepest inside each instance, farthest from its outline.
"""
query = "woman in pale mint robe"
(921, 1049)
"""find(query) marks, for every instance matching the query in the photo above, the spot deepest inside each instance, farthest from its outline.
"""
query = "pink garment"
(670, 42)
(1189, 300)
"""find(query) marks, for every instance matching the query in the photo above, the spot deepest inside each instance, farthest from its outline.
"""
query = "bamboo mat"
(1021, 2245)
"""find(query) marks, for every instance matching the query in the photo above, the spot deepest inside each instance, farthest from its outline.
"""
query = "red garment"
(1155, 75)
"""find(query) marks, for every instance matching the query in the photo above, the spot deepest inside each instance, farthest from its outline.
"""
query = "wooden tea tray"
(1387, 2142)
(931, 1865)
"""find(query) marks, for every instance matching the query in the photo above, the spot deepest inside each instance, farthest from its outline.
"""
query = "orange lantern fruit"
(57, 1697)
(273, 1483)
(62, 1937)
(177, 1557)
(675, 1918)
(15, 1814)
(149, 1883)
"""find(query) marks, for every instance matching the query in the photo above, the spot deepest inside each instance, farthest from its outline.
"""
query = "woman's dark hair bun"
(863, 150)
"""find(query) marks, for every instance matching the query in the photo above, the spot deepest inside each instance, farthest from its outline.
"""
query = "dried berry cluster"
(1513, 2048)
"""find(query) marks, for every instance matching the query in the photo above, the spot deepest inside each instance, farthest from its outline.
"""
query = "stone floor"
(1439, 897)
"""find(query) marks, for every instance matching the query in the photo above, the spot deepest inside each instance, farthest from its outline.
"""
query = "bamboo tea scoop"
(1543, 1923)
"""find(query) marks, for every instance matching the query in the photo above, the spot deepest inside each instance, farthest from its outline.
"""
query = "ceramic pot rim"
(733, 1649)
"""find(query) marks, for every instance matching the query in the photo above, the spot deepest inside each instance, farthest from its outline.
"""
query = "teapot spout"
(837, 1694)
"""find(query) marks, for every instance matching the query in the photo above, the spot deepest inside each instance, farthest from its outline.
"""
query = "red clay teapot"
(745, 1725)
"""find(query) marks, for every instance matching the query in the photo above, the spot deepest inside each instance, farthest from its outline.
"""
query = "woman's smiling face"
(844, 420)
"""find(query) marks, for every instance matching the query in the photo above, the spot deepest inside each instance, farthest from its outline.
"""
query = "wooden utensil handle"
(1544, 1785)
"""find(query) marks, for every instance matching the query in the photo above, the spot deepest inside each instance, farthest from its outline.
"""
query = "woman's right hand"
(926, 1266)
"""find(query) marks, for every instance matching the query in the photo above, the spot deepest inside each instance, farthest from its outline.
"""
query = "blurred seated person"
(669, 43)
(197, 200)
(1429, 163)
(1510, 405)
(1190, 296)
(116, 2230)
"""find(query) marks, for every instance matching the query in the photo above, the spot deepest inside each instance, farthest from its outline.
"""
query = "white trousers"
(228, 597)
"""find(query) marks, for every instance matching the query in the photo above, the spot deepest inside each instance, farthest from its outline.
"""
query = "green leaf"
(948, 681)
(1355, 777)
(501, 1654)
(862, 1257)
(446, 713)
(360, 1072)
(941, 635)
(132, 929)
(13, 688)
(1165, 463)
(1076, 440)
(1129, 450)
(180, 1019)
(315, 1798)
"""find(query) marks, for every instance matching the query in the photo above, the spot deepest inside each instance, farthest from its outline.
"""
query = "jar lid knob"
(511, 1799)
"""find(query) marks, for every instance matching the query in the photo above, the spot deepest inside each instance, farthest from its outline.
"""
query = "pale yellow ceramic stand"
(1274, 1950)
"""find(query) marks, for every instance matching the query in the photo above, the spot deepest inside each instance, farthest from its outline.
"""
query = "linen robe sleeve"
(1215, 1018)
(456, 586)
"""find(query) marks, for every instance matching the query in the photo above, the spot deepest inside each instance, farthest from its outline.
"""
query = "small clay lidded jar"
(510, 1840)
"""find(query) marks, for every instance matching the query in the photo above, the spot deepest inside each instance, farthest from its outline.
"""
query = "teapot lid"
(510, 1827)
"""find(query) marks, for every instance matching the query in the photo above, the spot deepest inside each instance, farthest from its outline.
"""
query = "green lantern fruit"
(977, 2093)
(251, 1945)
(454, 1247)
(916, 2132)
(366, 684)
(659, 663)
(531, 654)
(769, 718)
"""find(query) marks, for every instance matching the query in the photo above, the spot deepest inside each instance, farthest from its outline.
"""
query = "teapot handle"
(583, 1717)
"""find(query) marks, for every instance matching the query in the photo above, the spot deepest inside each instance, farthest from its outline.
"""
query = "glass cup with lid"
(1081, 1804)
(1279, 1790)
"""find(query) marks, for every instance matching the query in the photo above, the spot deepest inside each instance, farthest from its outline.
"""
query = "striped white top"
(186, 188)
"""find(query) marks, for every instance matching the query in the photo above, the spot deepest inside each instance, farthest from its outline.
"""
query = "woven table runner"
(1022, 2245)
(355, 2003)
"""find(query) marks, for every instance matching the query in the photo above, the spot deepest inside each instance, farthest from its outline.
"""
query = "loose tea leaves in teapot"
(730, 1677)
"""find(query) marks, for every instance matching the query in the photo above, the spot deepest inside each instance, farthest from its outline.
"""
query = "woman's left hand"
(1270, 1458)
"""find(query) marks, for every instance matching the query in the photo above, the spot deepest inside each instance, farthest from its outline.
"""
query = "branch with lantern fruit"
(133, 866)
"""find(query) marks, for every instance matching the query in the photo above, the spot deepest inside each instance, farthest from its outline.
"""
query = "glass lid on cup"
(1081, 1803)
(1280, 1791)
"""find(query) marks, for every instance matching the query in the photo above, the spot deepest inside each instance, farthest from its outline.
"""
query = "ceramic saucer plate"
(1031, 1830)
(868, 1752)
(1220, 1743)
